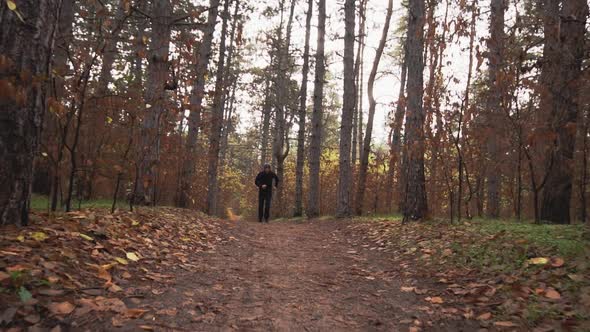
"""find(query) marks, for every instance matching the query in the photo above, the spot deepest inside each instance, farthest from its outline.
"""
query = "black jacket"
(266, 178)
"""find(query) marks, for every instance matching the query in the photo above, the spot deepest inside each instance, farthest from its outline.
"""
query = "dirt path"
(290, 276)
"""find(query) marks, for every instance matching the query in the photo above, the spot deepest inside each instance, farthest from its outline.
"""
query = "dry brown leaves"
(545, 293)
(68, 267)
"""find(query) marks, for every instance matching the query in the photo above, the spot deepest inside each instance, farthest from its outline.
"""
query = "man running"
(264, 183)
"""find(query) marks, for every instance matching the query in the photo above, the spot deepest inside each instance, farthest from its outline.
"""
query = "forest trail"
(299, 276)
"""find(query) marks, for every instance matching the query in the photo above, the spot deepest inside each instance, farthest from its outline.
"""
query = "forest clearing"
(198, 165)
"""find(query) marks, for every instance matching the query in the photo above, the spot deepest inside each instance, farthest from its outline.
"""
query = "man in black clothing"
(264, 183)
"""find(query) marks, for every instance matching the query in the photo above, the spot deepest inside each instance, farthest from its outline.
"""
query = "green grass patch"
(41, 203)
(563, 240)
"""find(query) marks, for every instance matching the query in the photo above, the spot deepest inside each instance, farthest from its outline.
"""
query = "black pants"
(264, 199)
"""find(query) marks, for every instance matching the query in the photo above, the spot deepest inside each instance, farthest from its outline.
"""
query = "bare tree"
(196, 105)
(217, 119)
(315, 147)
(372, 106)
(155, 100)
(495, 103)
(345, 175)
(302, 112)
(414, 203)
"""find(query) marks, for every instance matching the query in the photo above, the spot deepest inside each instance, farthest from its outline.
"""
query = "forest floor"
(175, 270)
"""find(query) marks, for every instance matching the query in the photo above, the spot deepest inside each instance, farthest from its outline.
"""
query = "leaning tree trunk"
(395, 143)
(414, 203)
(495, 104)
(315, 145)
(562, 66)
(360, 194)
(345, 171)
(216, 120)
(302, 111)
(25, 50)
(196, 101)
(155, 99)
(281, 145)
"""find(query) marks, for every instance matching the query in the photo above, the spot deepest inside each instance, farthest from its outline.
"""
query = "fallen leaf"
(8, 315)
(39, 236)
(135, 313)
(505, 324)
(132, 256)
(485, 316)
(552, 294)
(86, 237)
(11, 4)
(61, 308)
(538, 261)
(122, 261)
(557, 262)
(436, 300)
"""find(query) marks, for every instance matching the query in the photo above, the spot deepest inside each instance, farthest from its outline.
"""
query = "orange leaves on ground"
(61, 308)
(68, 263)
(435, 300)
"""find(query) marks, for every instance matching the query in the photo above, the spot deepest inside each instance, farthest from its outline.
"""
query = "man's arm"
(257, 180)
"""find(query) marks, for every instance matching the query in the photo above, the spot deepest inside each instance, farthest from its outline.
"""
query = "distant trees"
(157, 103)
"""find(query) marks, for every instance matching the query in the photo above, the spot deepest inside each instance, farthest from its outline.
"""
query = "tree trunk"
(580, 168)
(315, 146)
(415, 203)
(217, 120)
(495, 104)
(25, 47)
(372, 105)
(281, 145)
(356, 123)
(196, 106)
(266, 110)
(562, 62)
(302, 110)
(345, 172)
(398, 120)
(155, 99)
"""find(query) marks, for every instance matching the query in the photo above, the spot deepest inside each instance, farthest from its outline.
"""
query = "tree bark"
(25, 52)
(415, 204)
(155, 99)
(280, 144)
(372, 106)
(495, 104)
(217, 120)
(315, 147)
(357, 119)
(302, 112)
(398, 120)
(562, 62)
(196, 106)
(345, 171)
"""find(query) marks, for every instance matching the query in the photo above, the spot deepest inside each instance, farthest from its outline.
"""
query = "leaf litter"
(66, 269)
(532, 288)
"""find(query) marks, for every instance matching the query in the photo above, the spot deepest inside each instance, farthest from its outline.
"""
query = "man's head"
(267, 168)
